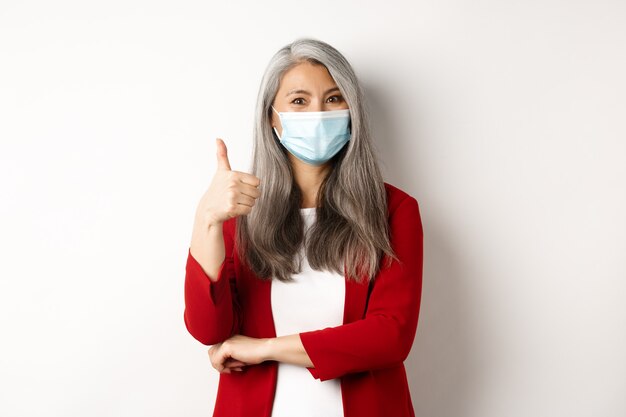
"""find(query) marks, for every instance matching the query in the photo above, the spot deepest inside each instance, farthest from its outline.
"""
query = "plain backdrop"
(504, 119)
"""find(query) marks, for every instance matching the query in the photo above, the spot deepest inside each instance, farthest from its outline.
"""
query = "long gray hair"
(351, 227)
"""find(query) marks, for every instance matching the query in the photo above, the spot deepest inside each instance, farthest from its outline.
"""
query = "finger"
(212, 350)
(234, 363)
(234, 368)
(250, 190)
(240, 209)
(245, 200)
(219, 358)
(222, 155)
(248, 178)
(215, 363)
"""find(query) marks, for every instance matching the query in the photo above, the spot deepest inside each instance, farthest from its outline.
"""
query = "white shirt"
(314, 301)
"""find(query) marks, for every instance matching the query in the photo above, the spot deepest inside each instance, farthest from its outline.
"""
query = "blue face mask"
(314, 136)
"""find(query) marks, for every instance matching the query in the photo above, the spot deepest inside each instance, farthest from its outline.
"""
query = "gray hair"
(351, 227)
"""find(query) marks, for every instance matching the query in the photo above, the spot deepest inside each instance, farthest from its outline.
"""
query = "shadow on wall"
(440, 367)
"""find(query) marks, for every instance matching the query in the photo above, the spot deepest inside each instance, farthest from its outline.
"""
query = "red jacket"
(366, 352)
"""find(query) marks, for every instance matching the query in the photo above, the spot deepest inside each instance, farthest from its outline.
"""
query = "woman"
(305, 276)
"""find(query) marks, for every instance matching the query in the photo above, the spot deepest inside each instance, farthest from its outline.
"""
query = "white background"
(504, 119)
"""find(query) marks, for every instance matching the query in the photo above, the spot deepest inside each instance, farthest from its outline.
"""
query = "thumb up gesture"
(230, 194)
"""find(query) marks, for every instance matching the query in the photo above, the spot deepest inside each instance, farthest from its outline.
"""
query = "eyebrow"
(306, 92)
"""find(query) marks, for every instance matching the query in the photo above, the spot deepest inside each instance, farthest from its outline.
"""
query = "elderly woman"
(305, 276)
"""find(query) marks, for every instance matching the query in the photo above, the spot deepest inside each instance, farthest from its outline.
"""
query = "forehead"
(306, 76)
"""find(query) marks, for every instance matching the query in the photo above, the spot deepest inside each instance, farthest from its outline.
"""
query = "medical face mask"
(314, 136)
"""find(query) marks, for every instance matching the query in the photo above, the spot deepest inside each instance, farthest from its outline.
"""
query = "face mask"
(314, 136)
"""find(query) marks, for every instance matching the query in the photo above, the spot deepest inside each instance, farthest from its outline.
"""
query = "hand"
(231, 193)
(238, 351)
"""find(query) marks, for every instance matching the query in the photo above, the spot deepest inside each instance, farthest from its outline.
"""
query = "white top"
(314, 301)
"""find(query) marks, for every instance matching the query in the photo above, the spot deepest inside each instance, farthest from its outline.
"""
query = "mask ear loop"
(276, 134)
(274, 128)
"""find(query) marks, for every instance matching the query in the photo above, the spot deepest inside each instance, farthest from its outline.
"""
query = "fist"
(230, 194)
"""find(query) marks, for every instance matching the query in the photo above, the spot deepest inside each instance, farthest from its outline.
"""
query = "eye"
(296, 99)
(337, 99)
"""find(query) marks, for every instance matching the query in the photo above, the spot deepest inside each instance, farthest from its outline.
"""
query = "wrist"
(269, 346)
(206, 222)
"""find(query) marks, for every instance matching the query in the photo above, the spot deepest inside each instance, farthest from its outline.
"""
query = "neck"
(309, 179)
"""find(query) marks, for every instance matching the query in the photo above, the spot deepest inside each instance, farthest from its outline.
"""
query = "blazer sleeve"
(384, 337)
(212, 312)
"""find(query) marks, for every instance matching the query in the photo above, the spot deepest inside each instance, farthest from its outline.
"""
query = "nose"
(317, 105)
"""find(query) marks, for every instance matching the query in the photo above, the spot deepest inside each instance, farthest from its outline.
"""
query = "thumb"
(222, 155)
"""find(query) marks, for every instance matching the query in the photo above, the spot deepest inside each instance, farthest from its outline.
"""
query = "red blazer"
(366, 352)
